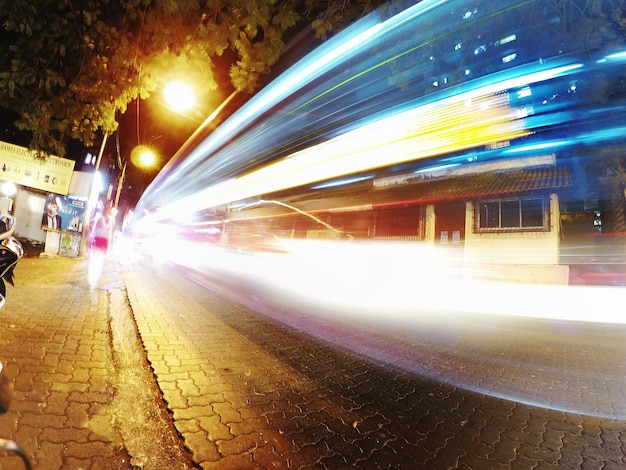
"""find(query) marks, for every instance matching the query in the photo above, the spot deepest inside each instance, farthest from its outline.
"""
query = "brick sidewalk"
(58, 344)
(55, 343)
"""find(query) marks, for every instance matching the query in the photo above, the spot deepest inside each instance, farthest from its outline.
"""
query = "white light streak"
(406, 290)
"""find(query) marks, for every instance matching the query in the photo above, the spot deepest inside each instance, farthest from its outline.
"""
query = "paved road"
(243, 391)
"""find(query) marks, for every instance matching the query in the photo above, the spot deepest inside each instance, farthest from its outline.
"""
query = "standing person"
(100, 242)
(103, 231)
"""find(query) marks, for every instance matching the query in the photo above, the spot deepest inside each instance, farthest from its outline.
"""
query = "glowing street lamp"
(8, 189)
(142, 157)
(179, 96)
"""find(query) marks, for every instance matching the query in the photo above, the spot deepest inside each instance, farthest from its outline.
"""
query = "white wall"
(531, 257)
(520, 247)
(28, 209)
(28, 206)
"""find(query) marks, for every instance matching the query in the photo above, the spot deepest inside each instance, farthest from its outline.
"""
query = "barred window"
(512, 214)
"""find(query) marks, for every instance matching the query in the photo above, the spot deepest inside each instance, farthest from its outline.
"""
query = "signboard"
(18, 164)
(64, 213)
(70, 245)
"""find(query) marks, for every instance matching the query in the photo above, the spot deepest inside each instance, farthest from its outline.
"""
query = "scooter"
(11, 252)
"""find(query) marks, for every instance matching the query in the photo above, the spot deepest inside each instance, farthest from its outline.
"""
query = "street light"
(142, 157)
(94, 190)
(179, 96)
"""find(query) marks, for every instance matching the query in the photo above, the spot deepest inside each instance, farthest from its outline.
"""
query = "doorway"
(450, 223)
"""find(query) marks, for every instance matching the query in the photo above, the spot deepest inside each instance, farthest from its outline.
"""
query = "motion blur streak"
(436, 311)
(441, 187)
(408, 136)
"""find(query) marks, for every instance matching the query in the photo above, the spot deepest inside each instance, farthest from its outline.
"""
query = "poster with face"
(63, 213)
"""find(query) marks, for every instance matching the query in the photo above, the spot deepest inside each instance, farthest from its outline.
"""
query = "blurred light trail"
(493, 147)
(478, 117)
(264, 136)
(450, 125)
(342, 182)
(414, 292)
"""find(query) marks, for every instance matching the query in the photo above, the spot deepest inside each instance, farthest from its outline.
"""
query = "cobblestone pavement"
(59, 343)
(244, 392)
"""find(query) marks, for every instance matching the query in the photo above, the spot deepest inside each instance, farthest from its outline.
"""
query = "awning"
(429, 191)
(459, 188)
(504, 183)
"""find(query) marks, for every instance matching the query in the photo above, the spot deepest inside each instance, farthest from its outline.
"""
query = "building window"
(512, 214)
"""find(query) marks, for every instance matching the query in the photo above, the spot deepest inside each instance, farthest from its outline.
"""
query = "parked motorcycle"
(11, 252)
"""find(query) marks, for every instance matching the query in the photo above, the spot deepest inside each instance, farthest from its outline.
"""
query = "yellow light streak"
(418, 133)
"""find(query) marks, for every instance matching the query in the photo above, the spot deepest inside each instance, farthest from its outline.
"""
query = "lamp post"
(119, 187)
(180, 98)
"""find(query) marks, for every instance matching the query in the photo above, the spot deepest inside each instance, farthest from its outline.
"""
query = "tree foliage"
(68, 68)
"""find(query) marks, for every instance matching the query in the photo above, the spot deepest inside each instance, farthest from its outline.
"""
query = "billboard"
(63, 213)
(19, 165)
